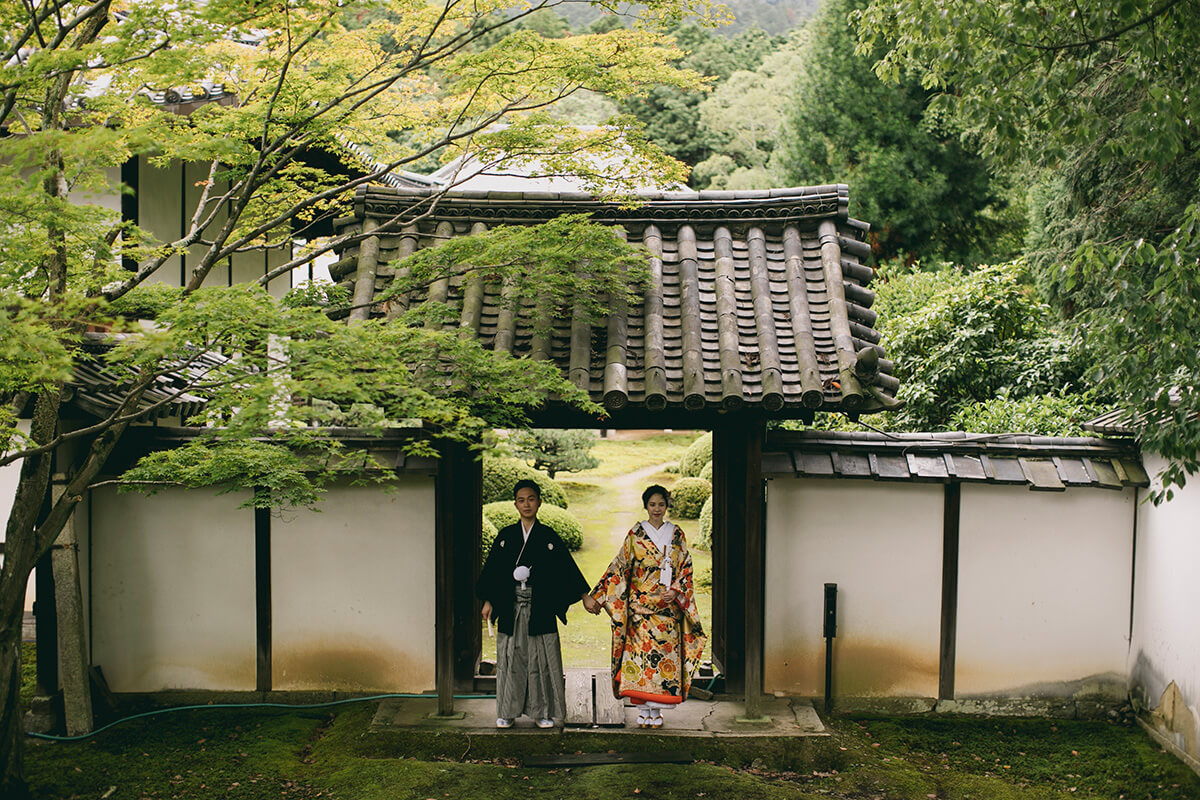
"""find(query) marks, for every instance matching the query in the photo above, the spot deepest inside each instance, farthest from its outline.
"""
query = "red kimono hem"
(638, 697)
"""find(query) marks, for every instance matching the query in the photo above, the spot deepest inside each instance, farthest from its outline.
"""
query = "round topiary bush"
(501, 474)
(688, 496)
(560, 520)
(704, 539)
(696, 456)
(487, 535)
(706, 473)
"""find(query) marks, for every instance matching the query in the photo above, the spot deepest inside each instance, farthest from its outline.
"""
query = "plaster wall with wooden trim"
(172, 591)
(888, 574)
(1042, 600)
(1043, 592)
(353, 587)
(1164, 655)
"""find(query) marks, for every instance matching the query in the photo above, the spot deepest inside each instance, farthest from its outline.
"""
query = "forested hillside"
(1030, 174)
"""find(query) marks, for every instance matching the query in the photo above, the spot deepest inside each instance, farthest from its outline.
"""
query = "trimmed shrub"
(706, 473)
(688, 496)
(696, 456)
(704, 539)
(488, 535)
(560, 520)
(501, 474)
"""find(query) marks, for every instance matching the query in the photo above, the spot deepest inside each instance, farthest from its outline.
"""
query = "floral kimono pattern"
(656, 644)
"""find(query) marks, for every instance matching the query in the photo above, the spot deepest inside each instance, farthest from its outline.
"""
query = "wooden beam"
(263, 638)
(752, 435)
(950, 528)
(72, 641)
(728, 555)
(458, 489)
(466, 482)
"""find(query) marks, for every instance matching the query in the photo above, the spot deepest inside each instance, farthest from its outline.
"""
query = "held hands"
(670, 596)
(591, 605)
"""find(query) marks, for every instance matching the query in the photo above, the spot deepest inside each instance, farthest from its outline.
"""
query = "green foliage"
(697, 455)
(924, 190)
(554, 450)
(501, 474)
(1044, 415)
(981, 336)
(704, 539)
(563, 522)
(1034, 79)
(671, 116)
(706, 472)
(744, 144)
(1148, 353)
(487, 535)
(688, 496)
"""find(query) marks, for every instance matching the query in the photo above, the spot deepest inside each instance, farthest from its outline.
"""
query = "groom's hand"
(590, 604)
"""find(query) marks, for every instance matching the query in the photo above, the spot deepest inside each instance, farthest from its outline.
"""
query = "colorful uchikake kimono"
(656, 644)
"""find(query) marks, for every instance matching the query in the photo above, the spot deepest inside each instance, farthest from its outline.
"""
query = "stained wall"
(1164, 659)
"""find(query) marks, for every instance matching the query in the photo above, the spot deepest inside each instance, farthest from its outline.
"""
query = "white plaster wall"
(172, 590)
(160, 211)
(353, 591)
(1043, 590)
(110, 199)
(167, 198)
(882, 544)
(1166, 621)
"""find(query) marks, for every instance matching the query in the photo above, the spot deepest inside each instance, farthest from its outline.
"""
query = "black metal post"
(830, 633)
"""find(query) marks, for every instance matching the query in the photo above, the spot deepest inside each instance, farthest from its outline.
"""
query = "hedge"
(563, 522)
(704, 539)
(706, 473)
(488, 535)
(688, 497)
(501, 474)
(696, 456)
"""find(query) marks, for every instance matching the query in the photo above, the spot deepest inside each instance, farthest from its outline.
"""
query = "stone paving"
(786, 717)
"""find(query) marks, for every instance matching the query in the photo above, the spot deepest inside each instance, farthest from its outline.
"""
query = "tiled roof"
(99, 389)
(1039, 462)
(758, 298)
(1111, 423)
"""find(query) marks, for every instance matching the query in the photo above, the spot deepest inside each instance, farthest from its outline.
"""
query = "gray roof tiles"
(1042, 463)
(757, 299)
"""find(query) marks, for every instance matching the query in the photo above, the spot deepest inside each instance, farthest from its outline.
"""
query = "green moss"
(28, 672)
(279, 754)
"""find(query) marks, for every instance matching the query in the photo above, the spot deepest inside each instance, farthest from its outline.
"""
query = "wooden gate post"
(738, 526)
(459, 486)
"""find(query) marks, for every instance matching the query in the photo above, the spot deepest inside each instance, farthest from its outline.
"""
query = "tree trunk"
(12, 779)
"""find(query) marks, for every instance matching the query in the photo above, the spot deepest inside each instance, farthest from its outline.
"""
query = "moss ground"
(329, 754)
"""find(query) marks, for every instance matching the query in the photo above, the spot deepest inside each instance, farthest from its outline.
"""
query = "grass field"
(607, 501)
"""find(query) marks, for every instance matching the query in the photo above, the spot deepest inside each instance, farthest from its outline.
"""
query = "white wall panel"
(1166, 624)
(172, 590)
(1043, 590)
(881, 543)
(353, 591)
